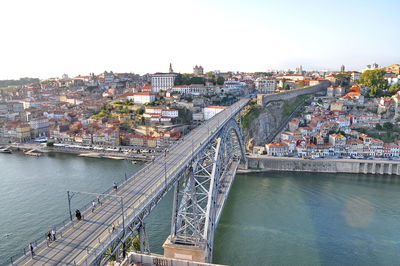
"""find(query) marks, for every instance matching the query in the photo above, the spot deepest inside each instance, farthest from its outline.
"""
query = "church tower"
(170, 68)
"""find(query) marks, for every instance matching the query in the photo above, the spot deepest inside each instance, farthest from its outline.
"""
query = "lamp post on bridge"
(71, 194)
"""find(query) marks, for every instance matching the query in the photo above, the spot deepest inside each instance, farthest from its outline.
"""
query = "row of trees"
(187, 79)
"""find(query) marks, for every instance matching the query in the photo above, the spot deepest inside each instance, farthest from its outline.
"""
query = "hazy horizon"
(46, 38)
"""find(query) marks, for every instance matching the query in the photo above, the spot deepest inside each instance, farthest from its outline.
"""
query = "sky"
(47, 38)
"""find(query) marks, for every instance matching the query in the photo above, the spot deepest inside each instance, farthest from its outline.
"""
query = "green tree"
(220, 80)
(375, 80)
(50, 143)
(343, 78)
(287, 87)
(378, 127)
(197, 80)
(178, 80)
(394, 88)
(388, 126)
(140, 111)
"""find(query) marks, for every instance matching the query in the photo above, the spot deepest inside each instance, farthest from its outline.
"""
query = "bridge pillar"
(183, 252)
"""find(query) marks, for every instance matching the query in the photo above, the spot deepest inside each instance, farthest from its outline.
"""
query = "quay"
(264, 163)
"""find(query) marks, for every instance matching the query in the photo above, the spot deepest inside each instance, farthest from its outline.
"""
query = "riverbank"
(39, 148)
(264, 163)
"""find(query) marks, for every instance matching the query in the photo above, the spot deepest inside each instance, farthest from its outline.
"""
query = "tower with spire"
(170, 68)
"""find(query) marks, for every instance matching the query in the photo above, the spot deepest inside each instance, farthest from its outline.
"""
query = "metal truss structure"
(195, 197)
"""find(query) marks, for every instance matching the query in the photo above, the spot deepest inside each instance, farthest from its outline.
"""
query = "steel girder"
(195, 197)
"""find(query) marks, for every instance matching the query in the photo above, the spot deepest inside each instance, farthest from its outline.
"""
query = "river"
(276, 218)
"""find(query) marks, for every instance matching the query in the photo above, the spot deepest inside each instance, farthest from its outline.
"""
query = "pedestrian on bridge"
(78, 215)
(93, 205)
(53, 234)
(31, 249)
(98, 200)
(115, 186)
(49, 236)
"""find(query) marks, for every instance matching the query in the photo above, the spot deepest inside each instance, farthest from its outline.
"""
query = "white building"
(235, 86)
(210, 111)
(277, 149)
(40, 126)
(163, 81)
(193, 89)
(355, 76)
(266, 85)
(392, 79)
(141, 97)
(293, 77)
(153, 111)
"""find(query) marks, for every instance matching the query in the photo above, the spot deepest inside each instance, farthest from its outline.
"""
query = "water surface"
(276, 218)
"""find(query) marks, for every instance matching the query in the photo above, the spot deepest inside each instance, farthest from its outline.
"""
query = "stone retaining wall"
(260, 163)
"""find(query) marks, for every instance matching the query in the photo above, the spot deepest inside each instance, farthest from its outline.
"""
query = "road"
(79, 242)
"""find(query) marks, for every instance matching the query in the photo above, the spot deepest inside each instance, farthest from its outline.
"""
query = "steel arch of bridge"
(194, 217)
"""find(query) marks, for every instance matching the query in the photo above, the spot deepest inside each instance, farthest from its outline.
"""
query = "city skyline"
(47, 39)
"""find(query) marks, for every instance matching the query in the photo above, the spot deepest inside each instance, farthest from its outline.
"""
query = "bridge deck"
(80, 242)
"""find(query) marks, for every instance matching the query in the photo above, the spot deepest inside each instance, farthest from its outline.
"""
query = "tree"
(287, 87)
(375, 79)
(178, 80)
(388, 126)
(378, 127)
(394, 88)
(50, 143)
(220, 80)
(343, 78)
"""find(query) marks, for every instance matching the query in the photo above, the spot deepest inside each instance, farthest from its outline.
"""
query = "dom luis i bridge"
(199, 168)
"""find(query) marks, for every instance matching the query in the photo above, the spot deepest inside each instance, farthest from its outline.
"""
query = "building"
(355, 76)
(395, 68)
(299, 70)
(336, 106)
(331, 78)
(141, 97)
(277, 149)
(198, 70)
(334, 91)
(158, 114)
(235, 86)
(266, 85)
(337, 140)
(342, 68)
(211, 111)
(293, 77)
(193, 89)
(40, 126)
(163, 81)
(392, 79)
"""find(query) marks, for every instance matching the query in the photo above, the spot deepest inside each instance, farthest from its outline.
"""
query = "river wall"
(263, 163)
